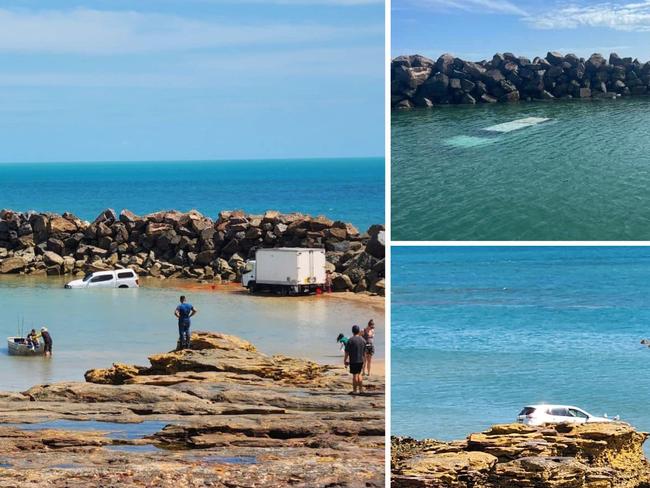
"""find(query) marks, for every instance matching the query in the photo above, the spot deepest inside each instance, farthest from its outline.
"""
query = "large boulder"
(376, 245)
(52, 259)
(445, 63)
(554, 57)
(12, 265)
(59, 225)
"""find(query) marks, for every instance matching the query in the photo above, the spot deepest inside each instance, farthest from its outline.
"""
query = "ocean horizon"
(347, 189)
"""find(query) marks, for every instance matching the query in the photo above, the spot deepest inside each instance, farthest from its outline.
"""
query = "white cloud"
(474, 6)
(222, 70)
(85, 31)
(622, 17)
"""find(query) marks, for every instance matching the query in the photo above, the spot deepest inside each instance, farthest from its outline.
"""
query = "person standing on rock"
(355, 350)
(184, 312)
(369, 336)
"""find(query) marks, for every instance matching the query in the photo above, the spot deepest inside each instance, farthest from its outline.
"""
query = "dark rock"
(554, 57)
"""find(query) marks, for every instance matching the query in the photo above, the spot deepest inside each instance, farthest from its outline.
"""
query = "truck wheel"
(252, 288)
(284, 291)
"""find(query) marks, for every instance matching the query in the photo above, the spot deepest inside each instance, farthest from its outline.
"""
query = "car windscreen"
(88, 276)
(527, 411)
(573, 412)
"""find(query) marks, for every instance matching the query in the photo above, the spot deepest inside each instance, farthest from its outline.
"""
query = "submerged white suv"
(557, 414)
(119, 278)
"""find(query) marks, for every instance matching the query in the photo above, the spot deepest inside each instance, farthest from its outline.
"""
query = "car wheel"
(123, 286)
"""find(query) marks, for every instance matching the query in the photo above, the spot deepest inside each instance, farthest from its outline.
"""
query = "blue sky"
(476, 29)
(190, 79)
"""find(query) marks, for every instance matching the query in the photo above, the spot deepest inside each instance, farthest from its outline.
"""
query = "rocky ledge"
(224, 415)
(603, 455)
(173, 244)
(417, 81)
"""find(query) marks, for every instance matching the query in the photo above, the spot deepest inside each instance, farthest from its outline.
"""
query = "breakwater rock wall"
(172, 244)
(417, 81)
(590, 455)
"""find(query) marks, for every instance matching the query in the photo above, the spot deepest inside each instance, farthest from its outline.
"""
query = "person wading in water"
(184, 312)
(47, 341)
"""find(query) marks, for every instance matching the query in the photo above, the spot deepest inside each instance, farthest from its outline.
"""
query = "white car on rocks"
(557, 414)
(119, 278)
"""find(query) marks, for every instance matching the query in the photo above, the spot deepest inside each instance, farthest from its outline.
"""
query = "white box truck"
(285, 270)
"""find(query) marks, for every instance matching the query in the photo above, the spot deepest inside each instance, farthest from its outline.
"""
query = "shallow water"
(478, 333)
(349, 189)
(583, 175)
(94, 328)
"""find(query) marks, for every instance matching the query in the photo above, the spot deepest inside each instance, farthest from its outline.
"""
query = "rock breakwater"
(172, 244)
(598, 455)
(225, 415)
(417, 81)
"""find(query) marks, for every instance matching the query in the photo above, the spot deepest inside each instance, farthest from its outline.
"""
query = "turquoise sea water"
(583, 175)
(478, 333)
(95, 328)
(351, 190)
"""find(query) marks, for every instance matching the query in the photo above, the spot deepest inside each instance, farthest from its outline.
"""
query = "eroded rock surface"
(223, 415)
(597, 455)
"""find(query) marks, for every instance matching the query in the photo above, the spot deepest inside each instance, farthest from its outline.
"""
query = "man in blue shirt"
(183, 312)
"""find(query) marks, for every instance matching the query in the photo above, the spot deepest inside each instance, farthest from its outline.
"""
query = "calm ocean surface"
(94, 328)
(477, 333)
(351, 190)
(584, 175)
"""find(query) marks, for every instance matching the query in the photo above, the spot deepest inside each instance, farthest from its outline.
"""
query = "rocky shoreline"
(417, 81)
(597, 455)
(173, 244)
(224, 415)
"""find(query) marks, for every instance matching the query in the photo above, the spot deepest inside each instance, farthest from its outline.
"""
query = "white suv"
(557, 414)
(119, 278)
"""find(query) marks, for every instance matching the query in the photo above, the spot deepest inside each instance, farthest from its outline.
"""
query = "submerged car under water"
(558, 414)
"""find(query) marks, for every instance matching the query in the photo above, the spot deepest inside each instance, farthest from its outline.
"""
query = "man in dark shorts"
(47, 341)
(184, 312)
(355, 350)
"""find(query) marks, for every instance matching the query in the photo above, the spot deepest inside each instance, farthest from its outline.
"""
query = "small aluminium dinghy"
(17, 346)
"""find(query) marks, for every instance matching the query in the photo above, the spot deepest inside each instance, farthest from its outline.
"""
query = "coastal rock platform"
(173, 244)
(417, 81)
(221, 414)
(594, 455)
